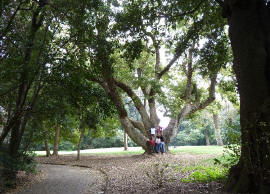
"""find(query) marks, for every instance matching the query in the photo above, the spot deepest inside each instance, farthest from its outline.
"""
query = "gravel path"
(63, 180)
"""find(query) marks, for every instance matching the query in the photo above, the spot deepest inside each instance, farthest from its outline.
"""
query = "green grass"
(215, 150)
(115, 153)
(204, 174)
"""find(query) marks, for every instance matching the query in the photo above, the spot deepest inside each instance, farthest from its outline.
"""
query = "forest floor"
(118, 171)
(140, 173)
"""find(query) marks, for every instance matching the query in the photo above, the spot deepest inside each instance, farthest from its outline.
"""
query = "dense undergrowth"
(9, 166)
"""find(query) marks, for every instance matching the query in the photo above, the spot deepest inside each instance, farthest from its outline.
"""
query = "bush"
(232, 151)
(158, 175)
(9, 166)
(204, 174)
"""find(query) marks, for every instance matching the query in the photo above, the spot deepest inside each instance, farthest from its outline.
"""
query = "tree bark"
(217, 130)
(125, 141)
(56, 140)
(47, 148)
(135, 134)
(22, 110)
(3, 135)
(170, 132)
(249, 31)
(79, 144)
(14, 139)
(207, 138)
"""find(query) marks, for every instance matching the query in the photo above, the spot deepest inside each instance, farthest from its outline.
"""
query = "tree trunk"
(135, 135)
(249, 31)
(170, 132)
(56, 140)
(14, 143)
(3, 135)
(217, 130)
(79, 144)
(207, 139)
(125, 141)
(47, 148)
(139, 131)
(22, 110)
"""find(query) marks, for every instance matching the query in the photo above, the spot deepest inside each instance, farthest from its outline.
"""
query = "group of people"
(157, 140)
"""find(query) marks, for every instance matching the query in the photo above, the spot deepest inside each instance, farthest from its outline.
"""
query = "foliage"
(232, 151)
(90, 142)
(232, 130)
(204, 174)
(192, 131)
(10, 165)
(73, 59)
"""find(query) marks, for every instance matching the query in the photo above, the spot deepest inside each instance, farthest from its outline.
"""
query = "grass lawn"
(215, 150)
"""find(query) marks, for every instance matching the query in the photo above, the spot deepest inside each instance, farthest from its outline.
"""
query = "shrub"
(232, 151)
(203, 174)
(9, 166)
(158, 175)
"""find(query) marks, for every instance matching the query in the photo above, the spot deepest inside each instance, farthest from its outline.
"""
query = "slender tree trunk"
(207, 139)
(217, 130)
(47, 148)
(249, 31)
(3, 135)
(79, 144)
(125, 141)
(20, 118)
(56, 140)
(14, 139)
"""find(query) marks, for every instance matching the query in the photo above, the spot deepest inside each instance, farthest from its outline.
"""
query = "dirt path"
(158, 174)
(64, 180)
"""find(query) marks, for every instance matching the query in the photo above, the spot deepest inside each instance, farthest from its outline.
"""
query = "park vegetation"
(86, 74)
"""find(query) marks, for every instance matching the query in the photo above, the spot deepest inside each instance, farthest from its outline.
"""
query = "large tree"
(25, 38)
(249, 31)
(124, 58)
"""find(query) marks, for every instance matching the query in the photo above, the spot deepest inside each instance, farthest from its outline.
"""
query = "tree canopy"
(76, 65)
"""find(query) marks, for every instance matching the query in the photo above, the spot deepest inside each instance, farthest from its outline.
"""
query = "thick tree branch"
(139, 125)
(184, 112)
(134, 134)
(182, 45)
(211, 97)
(137, 102)
(152, 108)
(157, 47)
(189, 74)
(171, 131)
(111, 89)
(143, 88)
(184, 65)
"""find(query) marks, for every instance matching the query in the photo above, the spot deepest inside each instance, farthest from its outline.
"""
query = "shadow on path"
(62, 180)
